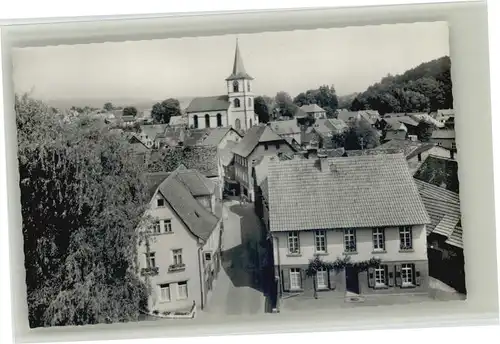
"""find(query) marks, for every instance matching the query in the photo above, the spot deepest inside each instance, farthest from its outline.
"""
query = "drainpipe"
(200, 248)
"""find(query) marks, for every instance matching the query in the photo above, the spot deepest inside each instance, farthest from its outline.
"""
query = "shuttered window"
(295, 279)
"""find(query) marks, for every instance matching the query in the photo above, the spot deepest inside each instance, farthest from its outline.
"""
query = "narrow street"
(239, 286)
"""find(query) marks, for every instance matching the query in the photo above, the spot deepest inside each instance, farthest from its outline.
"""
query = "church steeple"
(239, 71)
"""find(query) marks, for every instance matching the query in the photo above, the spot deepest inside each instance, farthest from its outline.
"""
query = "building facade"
(343, 209)
(179, 254)
(235, 109)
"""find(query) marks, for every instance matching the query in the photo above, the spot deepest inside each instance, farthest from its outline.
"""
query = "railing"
(176, 267)
(149, 271)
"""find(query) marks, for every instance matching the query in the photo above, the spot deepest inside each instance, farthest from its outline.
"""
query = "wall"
(162, 245)
(335, 246)
(447, 143)
(246, 109)
(213, 119)
(210, 269)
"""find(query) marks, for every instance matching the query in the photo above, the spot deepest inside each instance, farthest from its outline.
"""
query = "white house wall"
(213, 119)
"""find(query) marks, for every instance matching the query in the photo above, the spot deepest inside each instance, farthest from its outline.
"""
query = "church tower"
(241, 115)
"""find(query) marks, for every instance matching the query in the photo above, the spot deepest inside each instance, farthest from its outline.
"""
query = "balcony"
(176, 267)
(405, 248)
(149, 271)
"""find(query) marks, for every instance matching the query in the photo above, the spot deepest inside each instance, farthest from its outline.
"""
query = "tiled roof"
(406, 146)
(193, 137)
(195, 182)
(427, 118)
(285, 127)
(446, 112)
(265, 189)
(178, 121)
(365, 191)
(394, 123)
(256, 134)
(407, 120)
(443, 207)
(201, 158)
(424, 147)
(215, 136)
(153, 180)
(370, 116)
(195, 216)
(226, 154)
(261, 168)
(443, 134)
(202, 104)
(455, 238)
(312, 108)
(152, 130)
(374, 151)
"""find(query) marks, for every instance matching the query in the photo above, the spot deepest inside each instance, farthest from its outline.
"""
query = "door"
(351, 280)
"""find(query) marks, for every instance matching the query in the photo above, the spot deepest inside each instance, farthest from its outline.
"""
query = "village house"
(139, 150)
(235, 109)
(287, 129)
(179, 256)
(360, 207)
(444, 234)
(370, 117)
(259, 141)
(348, 116)
(149, 134)
(444, 138)
(314, 110)
(178, 121)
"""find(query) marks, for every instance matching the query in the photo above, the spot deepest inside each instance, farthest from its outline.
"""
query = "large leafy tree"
(82, 200)
(108, 106)
(130, 111)
(263, 106)
(161, 112)
(359, 135)
(284, 104)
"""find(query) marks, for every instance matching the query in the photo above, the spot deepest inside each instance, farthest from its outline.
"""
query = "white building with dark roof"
(234, 109)
(361, 207)
(314, 110)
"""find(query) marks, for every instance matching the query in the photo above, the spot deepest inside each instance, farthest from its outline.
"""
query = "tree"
(130, 111)
(360, 135)
(108, 106)
(263, 106)
(285, 105)
(82, 199)
(161, 112)
(356, 105)
(424, 130)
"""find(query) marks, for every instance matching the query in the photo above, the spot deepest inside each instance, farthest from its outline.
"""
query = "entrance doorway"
(351, 280)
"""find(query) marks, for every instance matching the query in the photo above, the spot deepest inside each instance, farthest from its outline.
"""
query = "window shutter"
(331, 279)
(302, 277)
(286, 279)
(398, 276)
(371, 277)
(417, 276)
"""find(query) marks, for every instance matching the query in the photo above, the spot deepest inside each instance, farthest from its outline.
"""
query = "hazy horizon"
(351, 59)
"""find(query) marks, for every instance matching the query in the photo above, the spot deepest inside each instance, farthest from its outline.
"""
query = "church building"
(236, 109)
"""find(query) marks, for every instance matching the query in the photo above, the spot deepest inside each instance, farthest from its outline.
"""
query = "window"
(151, 260)
(208, 256)
(406, 275)
(265, 146)
(293, 243)
(249, 102)
(277, 146)
(405, 237)
(168, 226)
(219, 120)
(195, 121)
(381, 276)
(182, 290)
(237, 124)
(165, 292)
(157, 228)
(295, 279)
(349, 240)
(248, 86)
(453, 145)
(322, 278)
(160, 202)
(207, 121)
(236, 86)
(320, 240)
(177, 257)
(378, 239)
(237, 103)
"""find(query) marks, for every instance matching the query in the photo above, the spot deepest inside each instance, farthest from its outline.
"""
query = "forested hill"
(426, 87)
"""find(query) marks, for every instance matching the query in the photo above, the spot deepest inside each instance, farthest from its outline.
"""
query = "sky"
(349, 58)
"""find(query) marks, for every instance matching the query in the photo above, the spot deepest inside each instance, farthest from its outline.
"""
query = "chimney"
(323, 163)
(312, 153)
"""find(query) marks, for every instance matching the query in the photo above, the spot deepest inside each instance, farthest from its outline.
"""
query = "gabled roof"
(261, 169)
(153, 129)
(407, 120)
(201, 158)
(178, 121)
(374, 151)
(255, 135)
(394, 123)
(347, 116)
(446, 112)
(239, 71)
(215, 136)
(364, 191)
(198, 220)
(443, 134)
(443, 207)
(406, 146)
(312, 108)
(371, 116)
(193, 137)
(395, 135)
(285, 127)
(205, 104)
(195, 182)
(226, 154)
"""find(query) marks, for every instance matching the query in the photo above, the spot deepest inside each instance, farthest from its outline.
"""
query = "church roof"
(239, 71)
(202, 104)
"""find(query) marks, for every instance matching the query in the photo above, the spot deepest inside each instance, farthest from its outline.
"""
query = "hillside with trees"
(424, 88)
